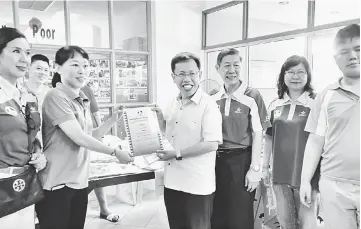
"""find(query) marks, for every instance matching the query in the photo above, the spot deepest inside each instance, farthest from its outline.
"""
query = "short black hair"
(8, 34)
(183, 57)
(40, 57)
(227, 52)
(347, 33)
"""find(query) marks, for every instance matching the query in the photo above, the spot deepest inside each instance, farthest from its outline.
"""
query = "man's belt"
(223, 152)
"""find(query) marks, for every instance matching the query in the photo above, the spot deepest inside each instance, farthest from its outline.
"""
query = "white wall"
(177, 29)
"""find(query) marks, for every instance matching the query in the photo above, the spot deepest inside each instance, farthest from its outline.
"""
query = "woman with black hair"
(286, 140)
(19, 145)
(68, 135)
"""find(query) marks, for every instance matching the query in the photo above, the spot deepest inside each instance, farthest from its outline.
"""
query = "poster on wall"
(131, 79)
(99, 80)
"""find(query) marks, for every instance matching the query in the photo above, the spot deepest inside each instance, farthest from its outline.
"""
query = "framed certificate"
(142, 129)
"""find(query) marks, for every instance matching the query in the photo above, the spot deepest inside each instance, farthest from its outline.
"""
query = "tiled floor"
(150, 213)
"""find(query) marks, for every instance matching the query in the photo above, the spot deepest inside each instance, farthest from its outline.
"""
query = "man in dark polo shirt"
(238, 164)
(334, 126)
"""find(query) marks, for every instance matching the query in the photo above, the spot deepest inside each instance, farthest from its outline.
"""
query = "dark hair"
(346, 33)
(8, 34)
(40, 57)
(227, 52)
(183, 57)
(289, 63)
(63, 55)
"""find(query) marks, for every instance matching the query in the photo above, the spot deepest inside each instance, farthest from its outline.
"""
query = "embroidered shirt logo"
(238, 111)
(303, 113)
(277, 114)
(11, 111)
(19, 185)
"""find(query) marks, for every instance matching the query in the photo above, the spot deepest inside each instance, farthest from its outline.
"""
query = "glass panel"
(42, 22)
(99, 77)
(335, 11)
(105, 114)
(121, 132)
(131, 78)
(227, 22)
(325, 70)
(89, 19)
(130, 25)
(212, 61)
(6, 18)
(266, 60)
(268, 17)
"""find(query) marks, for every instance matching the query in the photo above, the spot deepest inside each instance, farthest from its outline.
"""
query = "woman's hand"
(123, 156)
(38, 160)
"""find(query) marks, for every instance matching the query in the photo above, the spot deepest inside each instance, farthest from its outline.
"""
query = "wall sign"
(36, 25)
(44, 33)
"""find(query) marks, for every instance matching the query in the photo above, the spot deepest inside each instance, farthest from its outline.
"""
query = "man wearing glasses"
(193, 126)
(238, 164)
(334, 126)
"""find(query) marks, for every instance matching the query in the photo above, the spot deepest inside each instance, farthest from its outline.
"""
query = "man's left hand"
(166, 155)
(252, 180)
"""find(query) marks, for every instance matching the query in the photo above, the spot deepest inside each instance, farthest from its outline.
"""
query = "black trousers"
(64, 208)
(233, 205)
(188, 211)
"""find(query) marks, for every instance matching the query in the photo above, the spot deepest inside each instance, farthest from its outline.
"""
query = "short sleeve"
(212, 123)
(270, 110)
(167, 111)
(317, 120)
(57, 108)
(259, 117)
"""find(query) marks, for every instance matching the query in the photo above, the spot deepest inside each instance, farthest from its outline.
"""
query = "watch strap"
(178, 155)
(114, 152)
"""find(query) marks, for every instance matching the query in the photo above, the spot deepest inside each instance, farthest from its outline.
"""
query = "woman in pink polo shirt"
(67, 136)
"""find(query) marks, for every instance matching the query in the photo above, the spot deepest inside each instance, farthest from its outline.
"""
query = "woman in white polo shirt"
(286, 140)
(67, 135)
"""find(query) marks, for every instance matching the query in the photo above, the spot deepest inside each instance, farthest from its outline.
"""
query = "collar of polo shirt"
(9, 89)
(302, 99)
(70, 93)
(338, 85)
(196, 98)
(237, 94)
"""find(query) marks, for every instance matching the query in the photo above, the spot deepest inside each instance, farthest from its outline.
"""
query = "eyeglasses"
(235, 66)
(299, 73)
(183, 75)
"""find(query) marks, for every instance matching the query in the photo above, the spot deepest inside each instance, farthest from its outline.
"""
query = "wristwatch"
(256, 168)
(114, 152)
(178, 156)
